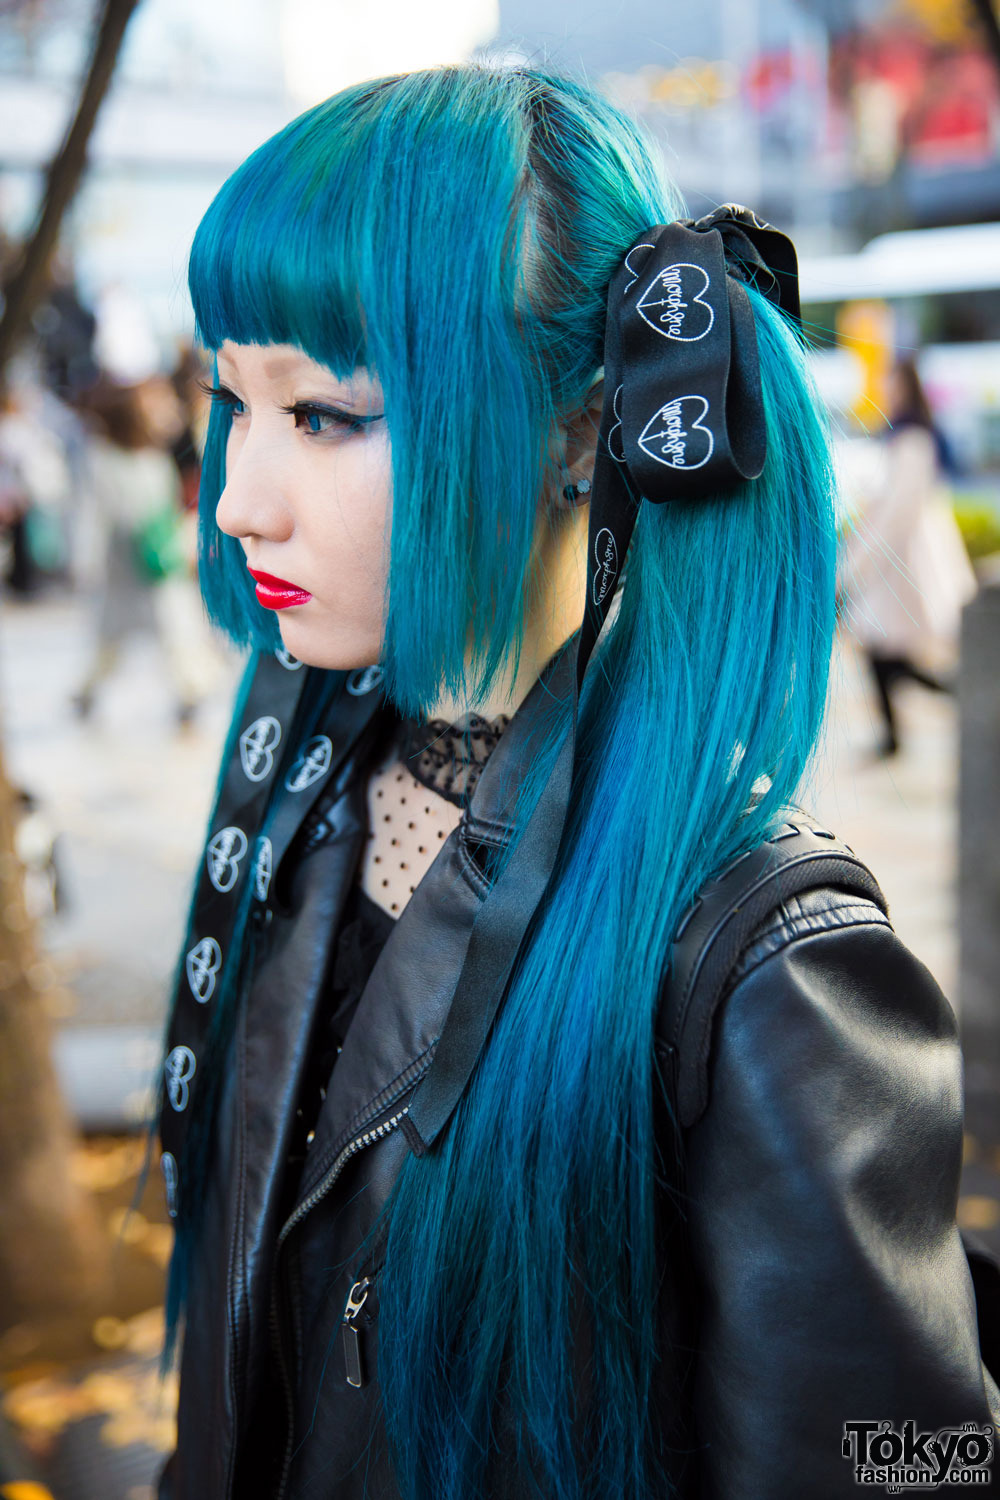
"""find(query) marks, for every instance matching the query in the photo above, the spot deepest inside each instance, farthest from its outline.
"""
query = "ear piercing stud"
(573, 493)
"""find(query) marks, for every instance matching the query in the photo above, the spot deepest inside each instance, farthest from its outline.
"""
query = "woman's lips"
(276, 593)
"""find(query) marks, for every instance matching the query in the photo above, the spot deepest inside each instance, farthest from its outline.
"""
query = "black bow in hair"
(684, 415)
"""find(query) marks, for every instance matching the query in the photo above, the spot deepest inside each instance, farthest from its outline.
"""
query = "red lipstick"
(276, 593)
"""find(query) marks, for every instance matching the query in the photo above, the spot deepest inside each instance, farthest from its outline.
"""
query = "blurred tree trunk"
(54, 1253)
(27, 283)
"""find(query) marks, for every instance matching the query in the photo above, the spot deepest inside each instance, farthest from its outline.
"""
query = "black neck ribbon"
(271, 766)
(682, 420)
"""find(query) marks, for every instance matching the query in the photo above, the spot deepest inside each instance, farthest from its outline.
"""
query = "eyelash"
(346, 421)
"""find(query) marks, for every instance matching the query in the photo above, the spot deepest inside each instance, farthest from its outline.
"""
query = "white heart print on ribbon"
(225, 850)
(675, 434)
(363, 679)
(644, 245)
(616, 438)
(262, 867)
(312, 762)
(179, 1069)
(168, 1166)
(288, 661)
(606, 558)
(203, 964)
(257, 746)
(674, 303)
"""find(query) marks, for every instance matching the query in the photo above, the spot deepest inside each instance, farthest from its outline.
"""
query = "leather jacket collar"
(404, 1005)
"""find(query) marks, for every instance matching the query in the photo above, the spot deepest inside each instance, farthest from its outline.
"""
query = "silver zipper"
(356, 1299)
(339, 1162)
(367, 1138)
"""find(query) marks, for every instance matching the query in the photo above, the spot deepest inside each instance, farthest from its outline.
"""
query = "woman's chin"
(333, 653)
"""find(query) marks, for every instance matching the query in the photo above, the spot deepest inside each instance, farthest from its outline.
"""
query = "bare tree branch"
(26, 285)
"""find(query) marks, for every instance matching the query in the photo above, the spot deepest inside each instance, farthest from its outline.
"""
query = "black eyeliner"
(303, 408)
(220, 394)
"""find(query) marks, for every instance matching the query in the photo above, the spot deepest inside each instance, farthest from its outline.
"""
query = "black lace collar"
(449, 758)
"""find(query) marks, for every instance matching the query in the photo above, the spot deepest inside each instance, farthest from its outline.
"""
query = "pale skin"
(308, 496)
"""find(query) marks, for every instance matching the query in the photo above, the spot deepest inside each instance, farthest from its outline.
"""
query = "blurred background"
(868, 129)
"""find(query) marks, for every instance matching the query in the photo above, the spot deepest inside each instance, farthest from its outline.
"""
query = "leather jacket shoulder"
(822, 1180)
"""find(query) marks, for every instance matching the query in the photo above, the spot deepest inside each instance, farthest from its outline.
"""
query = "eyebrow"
(276, 369)
(283, 365)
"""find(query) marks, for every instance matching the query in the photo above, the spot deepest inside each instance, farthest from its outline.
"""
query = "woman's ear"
(575, 451)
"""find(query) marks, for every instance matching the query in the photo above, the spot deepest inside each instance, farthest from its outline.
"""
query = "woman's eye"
(313, 420)
(323, 419)
(222, 396)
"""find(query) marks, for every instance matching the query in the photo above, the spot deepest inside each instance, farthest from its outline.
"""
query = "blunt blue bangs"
(406, 225)
(276, 258)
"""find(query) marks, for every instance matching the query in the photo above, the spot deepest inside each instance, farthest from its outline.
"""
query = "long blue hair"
(455, 232)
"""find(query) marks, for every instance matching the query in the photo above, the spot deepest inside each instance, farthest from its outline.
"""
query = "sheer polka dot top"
(416, 795)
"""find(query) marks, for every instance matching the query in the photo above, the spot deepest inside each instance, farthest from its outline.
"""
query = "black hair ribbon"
(683, 420)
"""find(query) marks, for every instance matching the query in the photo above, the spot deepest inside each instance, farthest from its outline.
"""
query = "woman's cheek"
(234, 445)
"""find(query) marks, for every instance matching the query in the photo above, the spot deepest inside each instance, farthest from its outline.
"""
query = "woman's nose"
(253, 502)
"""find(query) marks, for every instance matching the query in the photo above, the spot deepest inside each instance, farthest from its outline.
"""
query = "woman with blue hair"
(549, 1108)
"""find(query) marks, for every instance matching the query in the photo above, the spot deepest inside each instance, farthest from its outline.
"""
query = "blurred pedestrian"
(41, 431)
(14, 494)
(35, 485)
(132, 549)
(905, 570)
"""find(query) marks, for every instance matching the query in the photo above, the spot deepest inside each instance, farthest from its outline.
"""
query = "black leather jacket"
(819, 1279)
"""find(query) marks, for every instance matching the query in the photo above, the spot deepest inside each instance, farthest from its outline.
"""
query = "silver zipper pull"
(356, 1299)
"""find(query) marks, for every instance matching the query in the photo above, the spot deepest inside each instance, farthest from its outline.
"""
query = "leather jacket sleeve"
(823, 1179)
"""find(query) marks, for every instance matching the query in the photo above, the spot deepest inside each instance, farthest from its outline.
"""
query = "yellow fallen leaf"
(127, 1428)
(109, 1333)
(145, 1332)
(977, 1212)
(45, 1406)
(107, 1390)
